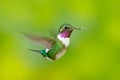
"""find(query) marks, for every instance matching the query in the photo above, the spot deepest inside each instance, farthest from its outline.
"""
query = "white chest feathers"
(65, 41)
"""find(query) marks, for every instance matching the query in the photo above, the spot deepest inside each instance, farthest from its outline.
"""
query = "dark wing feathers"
(46, 41)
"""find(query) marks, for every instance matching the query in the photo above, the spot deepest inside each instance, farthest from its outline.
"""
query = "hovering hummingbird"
(55, 47)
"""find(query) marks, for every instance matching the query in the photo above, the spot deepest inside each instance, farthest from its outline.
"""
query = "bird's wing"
(53, 33)
(46, 41)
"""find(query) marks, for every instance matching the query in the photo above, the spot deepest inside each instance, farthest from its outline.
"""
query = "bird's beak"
(79, 28)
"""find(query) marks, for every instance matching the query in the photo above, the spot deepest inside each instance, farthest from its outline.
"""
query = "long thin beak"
(79, 28)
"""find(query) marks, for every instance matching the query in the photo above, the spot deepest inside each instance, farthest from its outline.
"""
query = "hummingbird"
(56, 47)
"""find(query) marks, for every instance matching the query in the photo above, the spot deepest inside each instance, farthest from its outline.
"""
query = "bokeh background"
(92, 55)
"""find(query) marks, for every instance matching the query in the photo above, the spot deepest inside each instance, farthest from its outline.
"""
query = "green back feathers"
(56, 48)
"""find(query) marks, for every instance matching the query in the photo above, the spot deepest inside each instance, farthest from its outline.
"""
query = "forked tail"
(34, 50)
(42, 52)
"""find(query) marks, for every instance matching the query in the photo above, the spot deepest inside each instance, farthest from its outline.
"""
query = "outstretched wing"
(46, 41)
(53, 33)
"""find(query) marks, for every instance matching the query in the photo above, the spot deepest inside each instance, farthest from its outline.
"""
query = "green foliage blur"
(93, 54)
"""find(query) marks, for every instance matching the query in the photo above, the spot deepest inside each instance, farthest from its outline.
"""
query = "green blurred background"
(93, 54)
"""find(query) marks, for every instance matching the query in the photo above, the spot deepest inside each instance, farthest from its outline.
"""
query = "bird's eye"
(66, 27)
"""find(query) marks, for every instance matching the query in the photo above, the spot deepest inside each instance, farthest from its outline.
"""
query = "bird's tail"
(42, 52)
(34, 50)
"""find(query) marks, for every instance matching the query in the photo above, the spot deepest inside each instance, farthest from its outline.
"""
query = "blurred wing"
(53, 33)
(46, 41)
